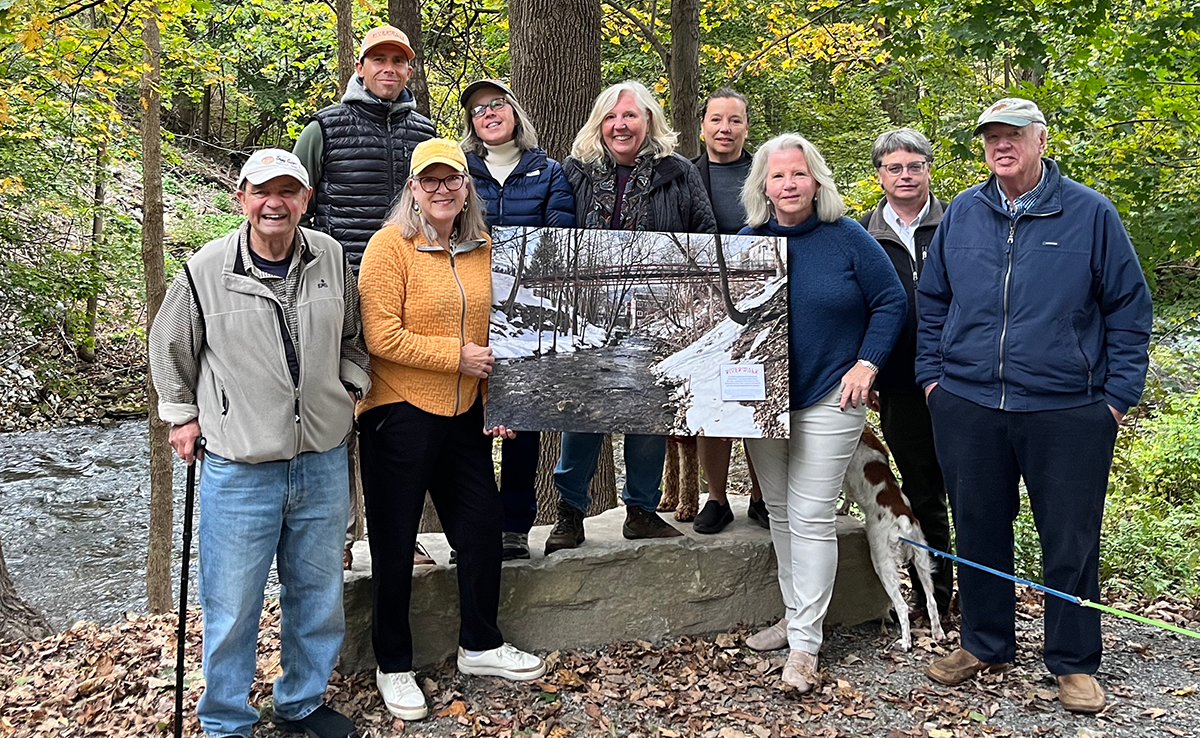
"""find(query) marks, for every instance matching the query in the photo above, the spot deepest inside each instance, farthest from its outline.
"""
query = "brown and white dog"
(871, 485)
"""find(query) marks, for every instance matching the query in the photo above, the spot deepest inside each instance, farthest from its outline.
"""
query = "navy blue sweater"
(845, 303)
(535, 194)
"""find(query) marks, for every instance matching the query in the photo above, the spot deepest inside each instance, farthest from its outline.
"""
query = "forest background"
(91, 89)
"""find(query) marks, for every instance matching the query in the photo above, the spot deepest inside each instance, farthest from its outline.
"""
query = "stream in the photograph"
(610, 388)
(74, 515)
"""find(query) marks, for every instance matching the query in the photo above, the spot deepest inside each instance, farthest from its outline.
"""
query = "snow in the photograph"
(699, 366)
(512, 339)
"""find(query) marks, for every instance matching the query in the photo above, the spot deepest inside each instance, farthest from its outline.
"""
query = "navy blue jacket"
(535, 194)
(1045, 312)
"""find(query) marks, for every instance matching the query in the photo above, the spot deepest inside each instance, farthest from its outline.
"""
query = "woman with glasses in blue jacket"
(520, 186)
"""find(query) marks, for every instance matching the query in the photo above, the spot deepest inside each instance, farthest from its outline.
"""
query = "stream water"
(74, 514)
(607, 389)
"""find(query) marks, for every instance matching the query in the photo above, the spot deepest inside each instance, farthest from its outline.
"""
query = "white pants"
(801, 478)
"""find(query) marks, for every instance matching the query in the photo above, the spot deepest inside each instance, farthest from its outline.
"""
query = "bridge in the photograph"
(654, 274)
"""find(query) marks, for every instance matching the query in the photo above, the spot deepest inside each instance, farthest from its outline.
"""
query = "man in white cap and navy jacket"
(258, 347)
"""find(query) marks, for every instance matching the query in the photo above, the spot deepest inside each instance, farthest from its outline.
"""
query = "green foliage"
(1164, 457)
(191, 230)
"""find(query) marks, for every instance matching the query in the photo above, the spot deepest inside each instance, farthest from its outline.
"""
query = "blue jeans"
(292, 511)
(644, 457)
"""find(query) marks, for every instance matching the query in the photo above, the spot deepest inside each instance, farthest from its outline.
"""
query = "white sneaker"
(401, 695)
(507, 661)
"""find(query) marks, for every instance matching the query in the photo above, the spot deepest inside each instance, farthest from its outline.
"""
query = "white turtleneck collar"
(502, 160)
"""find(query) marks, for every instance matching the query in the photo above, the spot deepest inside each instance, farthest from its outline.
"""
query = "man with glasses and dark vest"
(904, 223)
(358, 151)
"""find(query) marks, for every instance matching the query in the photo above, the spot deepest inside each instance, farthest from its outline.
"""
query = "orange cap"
(382, 35)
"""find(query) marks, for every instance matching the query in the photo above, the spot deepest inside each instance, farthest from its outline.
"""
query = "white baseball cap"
(267, 164)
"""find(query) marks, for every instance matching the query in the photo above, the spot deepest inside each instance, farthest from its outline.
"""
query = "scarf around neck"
(635, 200)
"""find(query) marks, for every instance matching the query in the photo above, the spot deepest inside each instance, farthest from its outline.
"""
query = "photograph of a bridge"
(630, 332)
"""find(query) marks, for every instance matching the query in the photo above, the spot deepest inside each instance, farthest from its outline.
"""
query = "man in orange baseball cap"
(357, 152)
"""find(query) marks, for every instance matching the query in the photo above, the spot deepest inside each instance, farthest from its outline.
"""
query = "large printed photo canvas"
(632, 332)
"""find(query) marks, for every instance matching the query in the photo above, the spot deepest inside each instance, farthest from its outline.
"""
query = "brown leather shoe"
(1080, 693)
(958, 667)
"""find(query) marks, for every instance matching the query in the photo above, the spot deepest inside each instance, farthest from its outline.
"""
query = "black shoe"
(568, 531)
(516, 546)
(323, 722)
(641, 523)
(713, 518)
(757, 511)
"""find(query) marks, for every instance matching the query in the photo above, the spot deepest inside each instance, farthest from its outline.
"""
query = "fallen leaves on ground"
(120, 680)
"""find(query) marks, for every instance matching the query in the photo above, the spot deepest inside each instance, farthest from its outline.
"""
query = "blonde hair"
(470, 223)
(660, 139)
(829, 204)
(524, 134)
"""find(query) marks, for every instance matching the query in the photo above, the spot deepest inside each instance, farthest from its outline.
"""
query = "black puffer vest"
(367, 147)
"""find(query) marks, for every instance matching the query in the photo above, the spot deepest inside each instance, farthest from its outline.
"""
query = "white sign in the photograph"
(743, 383)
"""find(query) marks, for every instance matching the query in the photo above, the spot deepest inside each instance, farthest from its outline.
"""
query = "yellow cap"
(438, 151)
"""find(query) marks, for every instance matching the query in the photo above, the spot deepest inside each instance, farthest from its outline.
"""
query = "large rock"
(612, 589)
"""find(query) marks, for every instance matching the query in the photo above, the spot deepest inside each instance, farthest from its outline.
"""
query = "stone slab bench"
(611, 589)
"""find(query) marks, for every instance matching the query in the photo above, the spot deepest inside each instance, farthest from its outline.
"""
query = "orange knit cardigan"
(420, 306)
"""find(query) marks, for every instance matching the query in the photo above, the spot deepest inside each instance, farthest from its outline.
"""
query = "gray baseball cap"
(1014, 111)
(474, 87)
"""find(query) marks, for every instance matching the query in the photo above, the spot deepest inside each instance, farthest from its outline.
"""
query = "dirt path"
(116, 681)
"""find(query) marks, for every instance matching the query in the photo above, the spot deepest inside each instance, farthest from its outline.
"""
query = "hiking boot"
(757, 511)
(516, 546)
(401, 695)
(507, 661)
(568, 530)
(1080, 693)
(323, 722)
(958, 667)
(800, 671)
(713, 518)
(641, 523)
(772, 638)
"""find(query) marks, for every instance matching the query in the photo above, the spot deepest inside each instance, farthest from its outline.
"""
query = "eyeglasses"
(453, 183)
(914, 167)
(495, 106)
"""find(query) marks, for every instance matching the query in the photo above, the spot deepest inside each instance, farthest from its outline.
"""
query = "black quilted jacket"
(678, 200)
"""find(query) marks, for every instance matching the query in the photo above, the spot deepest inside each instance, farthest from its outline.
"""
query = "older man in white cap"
(258, 347)
(1032, 343)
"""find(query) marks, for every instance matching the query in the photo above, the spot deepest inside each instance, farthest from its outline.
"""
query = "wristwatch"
(869, 365)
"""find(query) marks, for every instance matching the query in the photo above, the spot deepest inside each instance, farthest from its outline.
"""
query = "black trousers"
(518, 475)
(406, 451)
(1064, 457)
(908, 431)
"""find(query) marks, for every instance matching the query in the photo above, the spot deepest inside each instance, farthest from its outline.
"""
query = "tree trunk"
(87, 346)
(158, 552)
(685, 74)
(344, 10)
(570, 56)
(19, 622)
(206, 114)
(406, 15)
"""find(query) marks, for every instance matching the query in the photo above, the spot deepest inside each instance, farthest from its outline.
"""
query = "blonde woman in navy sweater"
(846, 308)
